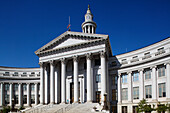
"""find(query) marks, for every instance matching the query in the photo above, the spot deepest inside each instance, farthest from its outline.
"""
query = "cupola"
(89, 26)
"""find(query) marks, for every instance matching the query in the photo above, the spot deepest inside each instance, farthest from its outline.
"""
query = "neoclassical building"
(79, 67)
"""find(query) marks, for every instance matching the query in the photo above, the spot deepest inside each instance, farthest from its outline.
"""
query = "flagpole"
(69, 24)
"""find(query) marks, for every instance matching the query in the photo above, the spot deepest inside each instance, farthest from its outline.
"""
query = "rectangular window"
(148, 91)
(114, 80)
(125, 94)
(135, 76)
(162, 90)
(147, 74)
(114, 92)
(32, 87)
(124, 78)
(24, 87)
(32, 99)
(16, 99)
(15, 87)
(97, 62)
(161, 71)
(124, 109)
(15, 73)
(6, 74)
(6, 87)
(6, 99)
(135, 109)
(136, 93)
(25, 99)
(98, 78)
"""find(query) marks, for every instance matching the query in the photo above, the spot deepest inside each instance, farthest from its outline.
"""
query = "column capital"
(63, 60)
(88, 56)
(166, 63)
(19, 83)
(119, 74)
(75, 58)
(102, 54)
(51, 62)
(129, 72)
(41, 64)
(11, 83)
(140, 70)
(28, 83)
(153, 67)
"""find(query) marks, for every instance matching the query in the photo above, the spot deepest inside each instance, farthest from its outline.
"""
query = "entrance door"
(71, 92)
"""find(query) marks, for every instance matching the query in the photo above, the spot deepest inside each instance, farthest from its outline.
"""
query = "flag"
(68, 26)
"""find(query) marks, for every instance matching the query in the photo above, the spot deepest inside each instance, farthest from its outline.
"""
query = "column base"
(75, 102)
(62, 103)
(52, 103)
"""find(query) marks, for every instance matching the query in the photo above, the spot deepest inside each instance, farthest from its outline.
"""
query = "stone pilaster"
(28, 94)
(130, 86)
(20, 94)
(141, 84)
(154, 83)
(119, 89)
(11, 93)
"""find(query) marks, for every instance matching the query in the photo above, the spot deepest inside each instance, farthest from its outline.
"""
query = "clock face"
(88, 17)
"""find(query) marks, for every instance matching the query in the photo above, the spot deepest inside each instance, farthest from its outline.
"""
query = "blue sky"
(27, 25)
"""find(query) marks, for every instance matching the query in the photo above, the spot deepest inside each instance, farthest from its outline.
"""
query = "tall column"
(130, 86)
(63, 80)
(11, 94)
(154, 83)
(28, 94)
(36, 93)
(41, 83)
(57, 82)
(75, 60)
(2, 94)
(103, 75)
(119, 89)
(81, 90)
(52, 82)
(141, 84)
(89, 82)
(168, 79)
(46, 84)
(20, 94)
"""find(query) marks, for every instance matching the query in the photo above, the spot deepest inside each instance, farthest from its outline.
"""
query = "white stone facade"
(78, 67)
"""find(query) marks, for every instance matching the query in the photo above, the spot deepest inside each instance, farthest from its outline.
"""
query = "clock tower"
(89, 26)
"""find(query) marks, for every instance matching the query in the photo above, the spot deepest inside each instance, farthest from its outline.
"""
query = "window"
(32, 87)
(162, 90)
(135, 76)
(97, 62)
(114, 94)
(32, 99)
(125, 94)
(148, 91)
(16, 87)
(161, 71)
(98, 78)
(6, 99)
(15, 73)
(32, 73)
(124, 61)
(25, 87)
(16, 99)
(6, 73)
(124, 109)
(147, 74)
(135, 109)
(136, 93)
(6, 87)
(124, 78)
(25, 99)
(114, 80)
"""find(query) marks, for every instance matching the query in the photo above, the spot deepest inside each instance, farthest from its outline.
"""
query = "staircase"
(64, 108)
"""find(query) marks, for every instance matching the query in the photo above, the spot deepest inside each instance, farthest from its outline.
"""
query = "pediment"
(69, 39)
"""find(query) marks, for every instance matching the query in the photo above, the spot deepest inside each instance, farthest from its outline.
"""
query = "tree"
(144, 107)
(162, 108)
